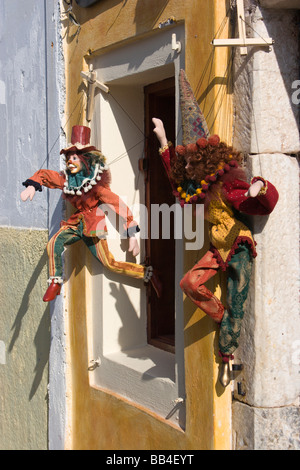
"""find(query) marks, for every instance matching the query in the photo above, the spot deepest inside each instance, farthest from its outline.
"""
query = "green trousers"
(238, 279)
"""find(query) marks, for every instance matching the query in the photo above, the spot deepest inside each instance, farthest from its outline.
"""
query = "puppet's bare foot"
(156, 284)
(53, 290)
(152, 276)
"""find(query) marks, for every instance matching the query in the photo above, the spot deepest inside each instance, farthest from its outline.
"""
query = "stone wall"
(266, 407)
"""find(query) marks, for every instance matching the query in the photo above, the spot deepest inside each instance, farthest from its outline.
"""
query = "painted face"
(74, 165)
(190, 169)
(188, 163)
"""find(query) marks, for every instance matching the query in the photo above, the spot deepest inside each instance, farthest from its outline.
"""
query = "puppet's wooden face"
(74, 164)
(190, 167)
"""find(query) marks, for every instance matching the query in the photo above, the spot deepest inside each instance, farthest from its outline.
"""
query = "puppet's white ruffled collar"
(87, 183)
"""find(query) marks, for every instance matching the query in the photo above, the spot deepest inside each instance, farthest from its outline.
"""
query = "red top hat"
(80, 140)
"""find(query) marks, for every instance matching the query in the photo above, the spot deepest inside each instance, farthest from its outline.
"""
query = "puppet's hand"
(254, 189)
(134, 246)
(160, 132)
(29, 192)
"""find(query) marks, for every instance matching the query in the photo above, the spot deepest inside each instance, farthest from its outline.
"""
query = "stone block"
(267, 115)
(282, 4)
(270, 337)
(265, 428)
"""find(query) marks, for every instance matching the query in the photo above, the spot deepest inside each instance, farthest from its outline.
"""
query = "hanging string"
(251, 27)
(251, 101)
(209, 78)
(211, 57)
(124, 154)
(208, 65)
(63, 128)
(129, 117)
(227, 76)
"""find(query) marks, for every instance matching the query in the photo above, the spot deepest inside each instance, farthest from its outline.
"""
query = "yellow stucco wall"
(99, 419)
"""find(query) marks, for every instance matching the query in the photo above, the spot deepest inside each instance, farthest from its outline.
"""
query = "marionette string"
(251, 101)
(222, 91)
(208, 66)
(80, 101)
(127, 114)
(210, 60)
(124, 154)
(218, 102)
(251, 27)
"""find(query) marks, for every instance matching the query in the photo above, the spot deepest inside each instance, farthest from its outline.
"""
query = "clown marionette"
(206, 170)
(85, 184)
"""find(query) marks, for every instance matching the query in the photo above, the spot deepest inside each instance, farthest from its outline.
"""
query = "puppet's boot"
(53, 289)
(224, 377)
(152, 276)
(225, 372)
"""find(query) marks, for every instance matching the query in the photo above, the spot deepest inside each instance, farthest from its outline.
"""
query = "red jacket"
(87, 205)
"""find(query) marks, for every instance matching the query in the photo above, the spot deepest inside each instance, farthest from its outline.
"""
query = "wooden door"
(160, 103)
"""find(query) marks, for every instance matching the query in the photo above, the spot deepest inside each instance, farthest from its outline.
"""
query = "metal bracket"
(93, 83)
(94, 363)
(243, 41)
(176, 45)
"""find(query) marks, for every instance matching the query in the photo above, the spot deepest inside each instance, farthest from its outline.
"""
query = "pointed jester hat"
(193, 122)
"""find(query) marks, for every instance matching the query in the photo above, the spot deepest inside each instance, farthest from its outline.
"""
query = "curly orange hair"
(205, 157)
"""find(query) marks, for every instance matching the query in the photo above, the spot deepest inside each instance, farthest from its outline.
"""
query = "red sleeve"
(263, 204)
(49, 178)
(168, 156)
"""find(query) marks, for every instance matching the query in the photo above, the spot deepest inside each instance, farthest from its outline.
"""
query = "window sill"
(145, 376)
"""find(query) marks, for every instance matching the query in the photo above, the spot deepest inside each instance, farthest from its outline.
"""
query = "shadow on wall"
(283, 68)
(142, 6)
(280, 22)
(42, 335)
(142, 12)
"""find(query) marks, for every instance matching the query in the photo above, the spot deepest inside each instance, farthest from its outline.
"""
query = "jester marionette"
(85, 184)
(206, 170)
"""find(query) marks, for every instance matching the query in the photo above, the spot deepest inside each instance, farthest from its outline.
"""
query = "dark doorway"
(160, 103)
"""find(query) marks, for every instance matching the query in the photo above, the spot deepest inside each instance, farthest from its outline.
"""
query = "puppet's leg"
(99, 248)
(55, 247)
(193, 286)
(238, 278)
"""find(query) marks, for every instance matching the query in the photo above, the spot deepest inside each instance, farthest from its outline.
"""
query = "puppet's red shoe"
(52, 291)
